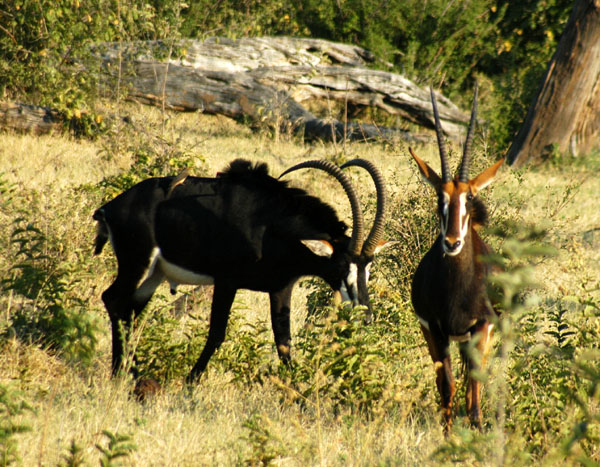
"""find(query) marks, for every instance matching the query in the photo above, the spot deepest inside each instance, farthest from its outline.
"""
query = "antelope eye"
(469, 196)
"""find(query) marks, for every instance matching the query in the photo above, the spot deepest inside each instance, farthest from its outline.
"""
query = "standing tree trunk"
(566, 112)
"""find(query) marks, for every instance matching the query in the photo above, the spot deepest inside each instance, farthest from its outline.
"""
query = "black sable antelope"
(241, 229)
(449, 287)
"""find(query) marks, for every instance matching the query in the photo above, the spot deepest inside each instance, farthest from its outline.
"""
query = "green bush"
(168, 349)
(51, 313)
(165, 351)
(340, 359)
(119, 446)
(45, 56)
(248, 353)
(266, 447)
(12, 407)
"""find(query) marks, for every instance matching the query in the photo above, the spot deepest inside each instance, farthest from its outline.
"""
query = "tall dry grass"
(54, 180)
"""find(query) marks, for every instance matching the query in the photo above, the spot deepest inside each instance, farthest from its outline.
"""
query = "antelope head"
(458, 207)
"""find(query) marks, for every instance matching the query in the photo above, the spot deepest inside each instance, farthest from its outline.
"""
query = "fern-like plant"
(119, 446)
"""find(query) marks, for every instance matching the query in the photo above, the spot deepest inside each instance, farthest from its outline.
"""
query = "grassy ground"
(245, 409)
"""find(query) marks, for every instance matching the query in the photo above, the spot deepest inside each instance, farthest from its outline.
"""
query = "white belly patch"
(178, 275)
(161, 269)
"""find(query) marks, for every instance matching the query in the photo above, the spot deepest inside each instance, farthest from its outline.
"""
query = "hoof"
(146, 388)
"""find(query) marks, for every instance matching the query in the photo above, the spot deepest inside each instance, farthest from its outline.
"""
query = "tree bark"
(264, 80)
(267, 78)
(29, 118)
(565, 115)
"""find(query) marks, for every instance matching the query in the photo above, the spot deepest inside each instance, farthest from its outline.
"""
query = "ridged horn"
(463, 174)
(441, 140)
(357, 217)
(376, 233)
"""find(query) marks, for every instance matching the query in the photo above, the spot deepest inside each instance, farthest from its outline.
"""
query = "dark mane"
(241, 168)
(295, 202)
(479, 212)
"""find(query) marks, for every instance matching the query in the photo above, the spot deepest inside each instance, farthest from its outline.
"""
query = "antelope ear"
(319, 247)
(382, 245)
(427, 172)
(485, 178)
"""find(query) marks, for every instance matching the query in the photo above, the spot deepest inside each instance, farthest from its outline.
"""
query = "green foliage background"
(506, 45)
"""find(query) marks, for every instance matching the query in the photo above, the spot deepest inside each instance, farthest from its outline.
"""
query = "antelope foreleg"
(280, 320)
(219, 315)
(483, 333)
(440, 354)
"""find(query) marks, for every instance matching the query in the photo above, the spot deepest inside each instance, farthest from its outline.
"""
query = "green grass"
(333, 409)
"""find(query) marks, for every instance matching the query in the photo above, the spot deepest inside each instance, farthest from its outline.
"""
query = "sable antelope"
(449, 292)
(241, 229)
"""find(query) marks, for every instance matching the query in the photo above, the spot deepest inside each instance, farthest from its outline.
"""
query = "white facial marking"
(463, 219)
(352, 275)
(445, 207)
(464, 216)
(351, 281)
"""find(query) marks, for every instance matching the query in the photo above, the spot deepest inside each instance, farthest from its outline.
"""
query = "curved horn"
(463, 174)
(441, 141)
(357, 217)
(376, 233)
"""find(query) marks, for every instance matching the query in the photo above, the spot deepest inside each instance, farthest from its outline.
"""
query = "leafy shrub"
(118, 446)
(12, 405)
(239, 18)
(585, 432)
(75, 457)
(166, 351)
(6, 191)
(249, 353)
(45, 53)
(265, 446)
(341, 360)
(539, 380)
(50, 314)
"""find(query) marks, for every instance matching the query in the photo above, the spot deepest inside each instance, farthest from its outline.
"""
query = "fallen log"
(267, 78)
(29, 118)
(240, 96)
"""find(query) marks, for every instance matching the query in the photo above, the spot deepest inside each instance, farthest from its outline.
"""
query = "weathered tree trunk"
(29, 118)
(266, 78)
(566, 112)
(241, 96)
